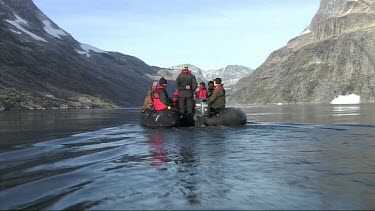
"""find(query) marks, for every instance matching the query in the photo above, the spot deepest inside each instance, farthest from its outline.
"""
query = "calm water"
(286, 157)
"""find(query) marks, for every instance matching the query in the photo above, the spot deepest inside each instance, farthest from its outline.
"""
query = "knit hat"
(202, 84)
(217, 80)
(162, 81)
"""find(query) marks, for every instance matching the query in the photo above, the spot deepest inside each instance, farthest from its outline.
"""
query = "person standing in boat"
(161, 100)
(186, 84)
(210, 88)
(217, 98)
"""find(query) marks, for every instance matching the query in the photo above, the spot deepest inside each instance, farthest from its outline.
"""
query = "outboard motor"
(202, 110)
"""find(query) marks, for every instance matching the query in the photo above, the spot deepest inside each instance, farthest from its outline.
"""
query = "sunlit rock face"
(334, 56)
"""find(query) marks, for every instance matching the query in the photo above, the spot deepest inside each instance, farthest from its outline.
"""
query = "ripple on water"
(258, 166)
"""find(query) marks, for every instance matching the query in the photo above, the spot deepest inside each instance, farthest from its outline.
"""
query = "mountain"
(229, 74)
(171, 73)
(43, 66)
(335, 55)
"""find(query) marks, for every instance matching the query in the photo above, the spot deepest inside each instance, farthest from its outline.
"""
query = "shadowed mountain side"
(42, 66)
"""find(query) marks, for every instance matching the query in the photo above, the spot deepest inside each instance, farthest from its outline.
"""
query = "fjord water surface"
(285, 157)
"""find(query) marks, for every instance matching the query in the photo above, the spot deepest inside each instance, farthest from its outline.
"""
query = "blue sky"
(205, 33)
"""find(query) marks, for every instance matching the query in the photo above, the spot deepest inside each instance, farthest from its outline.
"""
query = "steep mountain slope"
(42, 66)
(334, 55)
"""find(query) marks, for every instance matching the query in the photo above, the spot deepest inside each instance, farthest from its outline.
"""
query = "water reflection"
(187, 161)
(319, 114)
(259, 166)
(353, 110)
(25, 127)
(157, 142)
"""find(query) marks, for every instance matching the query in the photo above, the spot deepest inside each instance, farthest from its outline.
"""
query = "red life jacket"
(158, 105)
(202, 93)
(218, 86)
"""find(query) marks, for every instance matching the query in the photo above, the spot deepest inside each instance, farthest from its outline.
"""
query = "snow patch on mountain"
(229, 75)
(87, 48)
(307, 31)
(18, 22)
(52, 31)
(14, 31)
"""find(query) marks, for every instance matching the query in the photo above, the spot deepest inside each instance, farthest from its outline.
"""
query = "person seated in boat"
(217, 98)
(149, 102)
(161, 100)
(210, 88)
(201, 91)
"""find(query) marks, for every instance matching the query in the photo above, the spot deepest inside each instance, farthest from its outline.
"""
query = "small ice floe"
(279, 103)
(347, 99)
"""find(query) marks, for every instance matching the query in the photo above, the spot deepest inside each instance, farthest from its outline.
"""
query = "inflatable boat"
(203, 117)
(154, 119)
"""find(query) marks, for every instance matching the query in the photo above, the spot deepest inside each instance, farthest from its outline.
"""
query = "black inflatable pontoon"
(171, 118)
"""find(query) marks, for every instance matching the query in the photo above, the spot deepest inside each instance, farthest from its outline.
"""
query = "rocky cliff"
(42, 66)
(334, 55)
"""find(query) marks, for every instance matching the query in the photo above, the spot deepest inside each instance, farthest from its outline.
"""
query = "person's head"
(162, 81)
(186, 67)
(202, 84)
(155, 83)
(210, 85)
(217, 81)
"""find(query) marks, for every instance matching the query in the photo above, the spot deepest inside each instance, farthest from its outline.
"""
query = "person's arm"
(213, 96)
(164, 98)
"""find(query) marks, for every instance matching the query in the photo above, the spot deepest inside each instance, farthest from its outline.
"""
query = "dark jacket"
(186, 78)
(210, 89)
(217, 99)
(161, 99)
